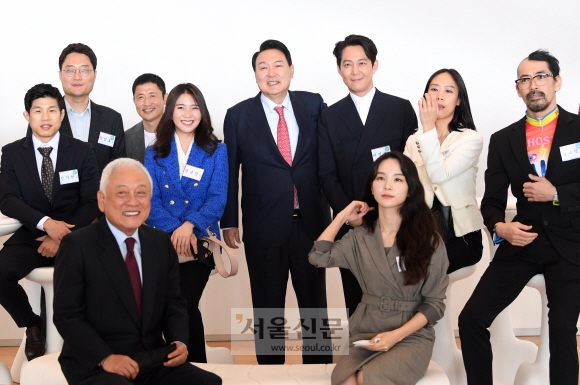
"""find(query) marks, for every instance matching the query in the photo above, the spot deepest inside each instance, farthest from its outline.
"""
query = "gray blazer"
(135, 142)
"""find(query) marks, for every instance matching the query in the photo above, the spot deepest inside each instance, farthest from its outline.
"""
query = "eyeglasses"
(540, 79)
(70, 72)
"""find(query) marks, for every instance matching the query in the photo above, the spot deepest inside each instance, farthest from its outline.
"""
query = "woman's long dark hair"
(417, 237)
(462, 114)
(204, 136)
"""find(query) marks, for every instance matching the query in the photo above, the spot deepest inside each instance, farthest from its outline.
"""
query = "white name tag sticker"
(193, 172)
(377, 152)
(70, 176)
(106, 139)
(571, 151)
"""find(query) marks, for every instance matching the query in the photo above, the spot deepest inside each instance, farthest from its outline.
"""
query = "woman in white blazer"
(446, 152)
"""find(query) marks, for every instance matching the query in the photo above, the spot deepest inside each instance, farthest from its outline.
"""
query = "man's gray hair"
(122, 162)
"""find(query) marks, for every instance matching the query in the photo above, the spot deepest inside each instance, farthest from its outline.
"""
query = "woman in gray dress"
(400, 262)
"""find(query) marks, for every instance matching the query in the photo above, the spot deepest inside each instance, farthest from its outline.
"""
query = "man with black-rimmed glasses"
(539, 157)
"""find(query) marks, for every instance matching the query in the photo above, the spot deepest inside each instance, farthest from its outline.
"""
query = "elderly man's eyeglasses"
(525, 81)
(70, 72)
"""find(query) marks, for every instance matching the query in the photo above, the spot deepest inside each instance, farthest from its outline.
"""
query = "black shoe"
(35, 341)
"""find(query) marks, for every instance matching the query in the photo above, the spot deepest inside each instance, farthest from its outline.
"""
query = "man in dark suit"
(116, 292)
(539, 157)
(274, 137)
(149, 97)
(49, 183)
(85, 120)
(355, 131)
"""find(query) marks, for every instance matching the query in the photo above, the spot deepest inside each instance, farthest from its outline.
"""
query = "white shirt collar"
(269, 105)
(51, 143)
(121, 236)
(368, 98)
(181, 156)
(363, 104)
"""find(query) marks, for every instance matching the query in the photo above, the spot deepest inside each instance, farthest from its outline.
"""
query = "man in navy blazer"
(283, 207)
(51, 195)
(538, 157)
(84, 119)
(355, 131)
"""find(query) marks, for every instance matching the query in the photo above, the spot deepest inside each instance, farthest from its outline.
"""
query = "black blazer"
(344, 144)
(106, 120)
(22, 196)
(508, 164)
(94, 307)
(267, 180)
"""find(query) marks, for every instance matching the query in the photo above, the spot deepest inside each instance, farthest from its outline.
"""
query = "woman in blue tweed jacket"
(189, 168)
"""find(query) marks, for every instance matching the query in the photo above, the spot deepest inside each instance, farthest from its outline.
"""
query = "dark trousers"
(464, 251)
(501, 283)
(268, 269)
(193, 277)
(185, 374)
(350, 286)
(16, 261)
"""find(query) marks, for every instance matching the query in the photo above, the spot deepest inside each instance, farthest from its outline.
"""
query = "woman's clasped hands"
(182, 238)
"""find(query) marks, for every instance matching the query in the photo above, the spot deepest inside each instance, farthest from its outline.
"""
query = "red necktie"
(133, 270)
(284, 143)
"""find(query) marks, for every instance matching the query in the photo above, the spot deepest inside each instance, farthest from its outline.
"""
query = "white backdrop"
(210, 43)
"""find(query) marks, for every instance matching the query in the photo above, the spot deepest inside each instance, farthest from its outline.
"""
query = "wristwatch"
(555, 200)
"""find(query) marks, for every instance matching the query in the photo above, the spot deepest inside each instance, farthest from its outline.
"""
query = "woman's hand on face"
(383, 341)
(428, 112)
(181, 239)
(354, 212)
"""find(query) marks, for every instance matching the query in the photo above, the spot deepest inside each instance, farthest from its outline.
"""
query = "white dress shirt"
(150, 138)
(120, 238)
(363, 104)
(182, 157)
(53, 155)
(273, 118)
(79, 123)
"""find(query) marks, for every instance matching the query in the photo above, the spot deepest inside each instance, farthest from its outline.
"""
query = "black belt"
(389, 304)
(297, 215)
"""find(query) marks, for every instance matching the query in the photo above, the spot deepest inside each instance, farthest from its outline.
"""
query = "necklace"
(389, 231)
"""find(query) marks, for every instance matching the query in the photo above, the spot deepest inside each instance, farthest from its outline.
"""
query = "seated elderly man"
(117, 302)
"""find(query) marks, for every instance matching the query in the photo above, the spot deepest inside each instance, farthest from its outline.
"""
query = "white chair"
(445, 352)
(7, 226)
(538, 372)
(46, 371)
(40, 277)
(5, 377)
(218, 355)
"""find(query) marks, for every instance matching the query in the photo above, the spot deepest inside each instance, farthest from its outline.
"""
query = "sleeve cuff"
(40, 225)
(323, 246)
(429, 312)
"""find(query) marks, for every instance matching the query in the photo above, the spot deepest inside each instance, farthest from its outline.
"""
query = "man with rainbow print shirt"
(539, 157)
